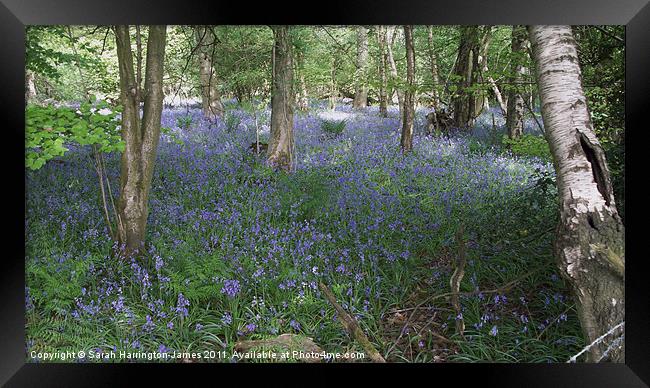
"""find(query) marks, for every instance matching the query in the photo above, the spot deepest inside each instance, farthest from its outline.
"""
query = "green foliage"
(602, 61)
(246, 69)
(48, 129)
(184, 122)
(39, 57)
(172, 135)
(232, 120)
(333, 127)
(67, 60)
(477, 147)
(528, 145)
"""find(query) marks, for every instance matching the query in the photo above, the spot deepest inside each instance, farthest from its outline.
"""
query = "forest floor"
(236, 250)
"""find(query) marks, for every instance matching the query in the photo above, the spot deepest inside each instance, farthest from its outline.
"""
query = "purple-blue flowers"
(182, 304)
(231, 288)
(226, 318)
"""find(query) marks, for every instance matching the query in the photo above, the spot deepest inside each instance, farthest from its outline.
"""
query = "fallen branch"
(352, 326)
(456, 278)
(503, 288)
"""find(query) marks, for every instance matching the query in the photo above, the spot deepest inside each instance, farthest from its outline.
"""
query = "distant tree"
(465, 74)
(435, 78)
(361, 89)
(590, 240)
(383, 63)
(408, 114)
(210, 98)
(515, 110)
(481, 100)
(141, 135)
(395, 81)
(303, 98)
(280, 152)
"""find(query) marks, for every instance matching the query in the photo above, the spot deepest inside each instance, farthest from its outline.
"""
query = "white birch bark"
(590, 246)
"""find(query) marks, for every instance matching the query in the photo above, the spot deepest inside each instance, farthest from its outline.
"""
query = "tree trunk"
(409, 106)
(210, 99)
(465, 72)
(515, 110)
(383, 61)
(393, 69)
(497, 94)
(590, 246)
(435, 78)
(138, 64)
(361, 89)
(30, 86)
(140, 136)
(481, 101)
(280, 152)
(333, 91)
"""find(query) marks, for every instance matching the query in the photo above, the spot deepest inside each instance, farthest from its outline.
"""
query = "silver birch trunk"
(497, 93)
(590, 246)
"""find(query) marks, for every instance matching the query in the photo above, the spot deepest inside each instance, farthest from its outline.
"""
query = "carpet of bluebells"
(236, 249)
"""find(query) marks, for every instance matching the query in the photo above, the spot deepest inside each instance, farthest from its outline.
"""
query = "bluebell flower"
(231, 288)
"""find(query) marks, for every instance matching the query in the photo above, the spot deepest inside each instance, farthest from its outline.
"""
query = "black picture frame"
(16, 14)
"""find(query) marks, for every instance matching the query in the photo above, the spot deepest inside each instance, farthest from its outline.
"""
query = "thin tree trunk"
(435, 79)
(515, 110)
(590, 246)
(497, 94)
(333, 93)
(361, 89)
(393, 69)
(210, 99)
(465, 71)
(409, 105)
(481, 99)
(280, 152)
(140, 136)
(383, 61)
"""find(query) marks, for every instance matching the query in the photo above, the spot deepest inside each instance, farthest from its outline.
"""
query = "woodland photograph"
(325, 194)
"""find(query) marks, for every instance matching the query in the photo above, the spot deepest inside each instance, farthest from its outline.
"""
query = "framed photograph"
(410, 188)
